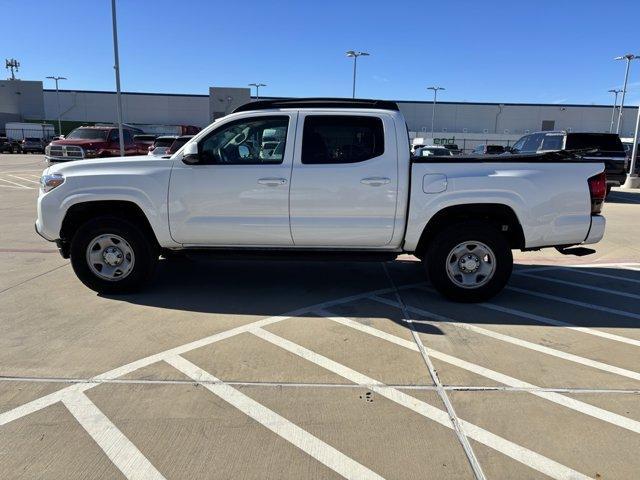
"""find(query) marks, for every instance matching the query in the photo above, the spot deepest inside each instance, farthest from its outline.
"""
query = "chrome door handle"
(272, 182)
(375, 181)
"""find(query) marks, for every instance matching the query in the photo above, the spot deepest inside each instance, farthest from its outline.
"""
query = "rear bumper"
(596, 232)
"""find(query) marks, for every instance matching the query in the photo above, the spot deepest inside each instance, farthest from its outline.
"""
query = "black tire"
(145, 254)
(443, 245)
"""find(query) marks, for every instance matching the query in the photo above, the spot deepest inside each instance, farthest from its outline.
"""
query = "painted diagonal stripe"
(521, 454)
(15, 183)
(580, 270)
(517, 341)
(579, 285)
(50, 399)
(308, 443)
(24, 179)
(591, 306)
(124, 454)
(560, 323)
(563, 400)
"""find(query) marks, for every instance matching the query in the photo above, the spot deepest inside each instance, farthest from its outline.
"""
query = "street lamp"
(257, 85)
(56, 79)
(355, 55)
(628, 57)
(615, 104)
(116, 67)
(433, 111)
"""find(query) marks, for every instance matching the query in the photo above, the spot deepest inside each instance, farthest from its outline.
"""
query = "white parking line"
(557, 398)
(560, 323)
(55, 397)
(120, 450)
(308, 443)
(579, 285)
(519, 342)
(578, 270)
(570, 301)
(521, 454)
(15, 183)
(24, 179)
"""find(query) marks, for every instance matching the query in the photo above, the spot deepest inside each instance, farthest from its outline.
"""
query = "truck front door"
(238, 193)
(345, 180)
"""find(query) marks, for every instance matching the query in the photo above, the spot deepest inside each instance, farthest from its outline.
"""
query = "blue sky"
(503, 51)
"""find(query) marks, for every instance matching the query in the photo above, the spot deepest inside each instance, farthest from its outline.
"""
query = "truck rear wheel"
(111, 255)
(469, 262)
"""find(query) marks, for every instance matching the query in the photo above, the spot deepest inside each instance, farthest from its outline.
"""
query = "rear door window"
(532, 144)
(552, 141)
(330, 139)
(606, 142)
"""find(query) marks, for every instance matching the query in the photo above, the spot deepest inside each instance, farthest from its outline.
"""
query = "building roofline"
(399, 102)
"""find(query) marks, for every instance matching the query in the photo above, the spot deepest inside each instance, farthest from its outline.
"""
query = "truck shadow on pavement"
(588, 297)
(624, 197)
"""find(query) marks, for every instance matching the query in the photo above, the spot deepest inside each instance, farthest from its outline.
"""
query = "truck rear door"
(344, 185)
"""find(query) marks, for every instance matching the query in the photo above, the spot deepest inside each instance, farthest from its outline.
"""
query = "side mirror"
(190, 155)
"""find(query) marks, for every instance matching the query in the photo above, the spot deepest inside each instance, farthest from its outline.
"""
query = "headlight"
(49, 182)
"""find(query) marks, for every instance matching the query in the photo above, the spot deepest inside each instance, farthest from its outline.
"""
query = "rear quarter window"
(606, 142)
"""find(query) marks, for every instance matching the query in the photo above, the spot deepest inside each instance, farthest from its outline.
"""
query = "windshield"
(163, 142)
(427, 152)
(88, 134)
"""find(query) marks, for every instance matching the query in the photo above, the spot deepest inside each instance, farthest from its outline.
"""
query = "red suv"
(93, 142)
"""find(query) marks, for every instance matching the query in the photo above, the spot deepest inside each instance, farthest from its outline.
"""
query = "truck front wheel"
(111, 255)
(469, 262)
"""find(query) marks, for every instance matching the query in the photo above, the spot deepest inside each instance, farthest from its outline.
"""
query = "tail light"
(598, 192)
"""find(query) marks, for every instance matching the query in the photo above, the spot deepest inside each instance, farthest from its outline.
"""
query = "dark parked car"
(9, 146)
(32, 145)
(455, 150)
(488, 150)
(605, 147)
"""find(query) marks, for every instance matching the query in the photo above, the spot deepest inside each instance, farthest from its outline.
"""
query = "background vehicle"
(178, 143)
(144, 140)
(161, 145)
(9, 146)
(603, 147)
(32, 145)
(455, 150)
(340, 180)
(432, 150)
(93, 142)
(488, 150)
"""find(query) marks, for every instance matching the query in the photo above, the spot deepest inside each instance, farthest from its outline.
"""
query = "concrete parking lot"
(246, 369)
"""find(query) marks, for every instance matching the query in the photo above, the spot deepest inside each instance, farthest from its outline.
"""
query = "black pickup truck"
(605, 147)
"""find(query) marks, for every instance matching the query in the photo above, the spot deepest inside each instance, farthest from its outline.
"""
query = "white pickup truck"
(319, 176)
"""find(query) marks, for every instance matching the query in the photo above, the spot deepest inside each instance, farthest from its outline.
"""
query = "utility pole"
(117, 69)
(633, 181)
(355, 55)
(13, 65)
(433, 111)
(56, 79)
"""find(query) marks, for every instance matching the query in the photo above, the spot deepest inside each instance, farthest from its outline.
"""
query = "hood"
(79, 142)
(130, 164)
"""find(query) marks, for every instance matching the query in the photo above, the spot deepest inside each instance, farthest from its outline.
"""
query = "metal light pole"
(628, 57)
(355, 55)
(257, 85)
(433, 111)
(117, 69)
(615, 104)
(633, 181)
(56, 79)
